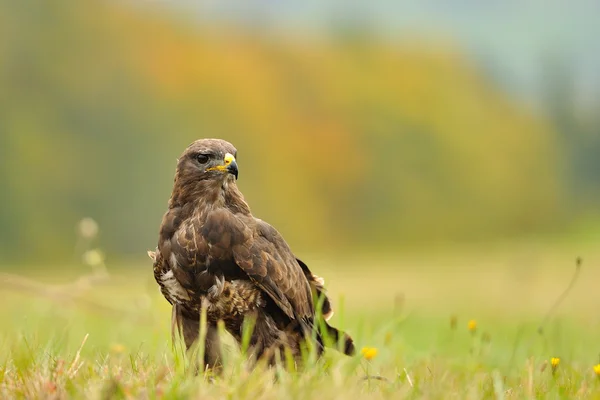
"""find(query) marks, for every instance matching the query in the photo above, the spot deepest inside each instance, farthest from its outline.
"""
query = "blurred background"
(372, 126)
(435, 156)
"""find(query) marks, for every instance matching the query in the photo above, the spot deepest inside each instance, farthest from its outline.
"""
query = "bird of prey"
(213, 253)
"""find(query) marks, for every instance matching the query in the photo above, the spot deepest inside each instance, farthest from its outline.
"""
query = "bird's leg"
(190, 330)
(212, 348)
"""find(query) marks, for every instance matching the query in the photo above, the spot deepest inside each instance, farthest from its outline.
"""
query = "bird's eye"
(202, 158)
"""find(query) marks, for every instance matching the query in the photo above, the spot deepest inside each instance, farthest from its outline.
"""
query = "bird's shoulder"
(221, 242)
(269, 261)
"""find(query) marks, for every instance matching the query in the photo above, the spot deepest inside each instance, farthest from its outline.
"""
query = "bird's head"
(209, 159)
(206, 164)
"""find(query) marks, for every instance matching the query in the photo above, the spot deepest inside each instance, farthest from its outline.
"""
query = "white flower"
(88, 228)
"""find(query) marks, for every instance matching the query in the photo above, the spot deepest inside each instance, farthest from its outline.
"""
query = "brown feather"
(212, 251)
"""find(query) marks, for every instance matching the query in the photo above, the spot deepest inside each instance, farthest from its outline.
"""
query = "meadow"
(460, 322)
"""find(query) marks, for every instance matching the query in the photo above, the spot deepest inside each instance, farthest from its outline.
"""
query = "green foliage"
(422, 352)
(341, 144)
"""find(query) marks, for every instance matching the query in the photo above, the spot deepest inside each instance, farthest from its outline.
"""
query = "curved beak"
(230, 165)
(232, 168)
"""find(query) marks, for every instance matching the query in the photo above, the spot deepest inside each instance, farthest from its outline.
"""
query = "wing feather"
(261, 252)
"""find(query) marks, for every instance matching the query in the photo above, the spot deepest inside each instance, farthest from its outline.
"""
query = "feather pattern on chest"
(213, 253)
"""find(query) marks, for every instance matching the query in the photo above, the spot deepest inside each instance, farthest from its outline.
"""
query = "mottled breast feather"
(213, 253)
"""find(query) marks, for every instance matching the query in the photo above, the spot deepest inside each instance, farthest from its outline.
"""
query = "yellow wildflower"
(597, 370)
(554, 362)
(117, 348)
(369, 353)
(472, 326)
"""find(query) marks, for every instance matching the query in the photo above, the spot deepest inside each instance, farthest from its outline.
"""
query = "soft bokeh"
(437, 162)
(355, 129)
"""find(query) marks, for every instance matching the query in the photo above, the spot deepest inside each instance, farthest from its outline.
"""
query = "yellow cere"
(229, 158)
(369, 353)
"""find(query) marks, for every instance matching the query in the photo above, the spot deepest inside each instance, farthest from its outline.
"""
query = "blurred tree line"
(343, 142)
(578, 127)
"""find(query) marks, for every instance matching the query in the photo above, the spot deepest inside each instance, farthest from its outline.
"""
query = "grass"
(113, 341)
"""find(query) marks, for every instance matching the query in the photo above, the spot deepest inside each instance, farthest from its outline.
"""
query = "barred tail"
(341, 339)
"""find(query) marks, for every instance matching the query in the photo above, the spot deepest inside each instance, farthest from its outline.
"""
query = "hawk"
(213, 253)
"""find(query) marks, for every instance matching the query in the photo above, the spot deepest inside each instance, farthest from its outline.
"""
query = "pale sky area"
(509, 39)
